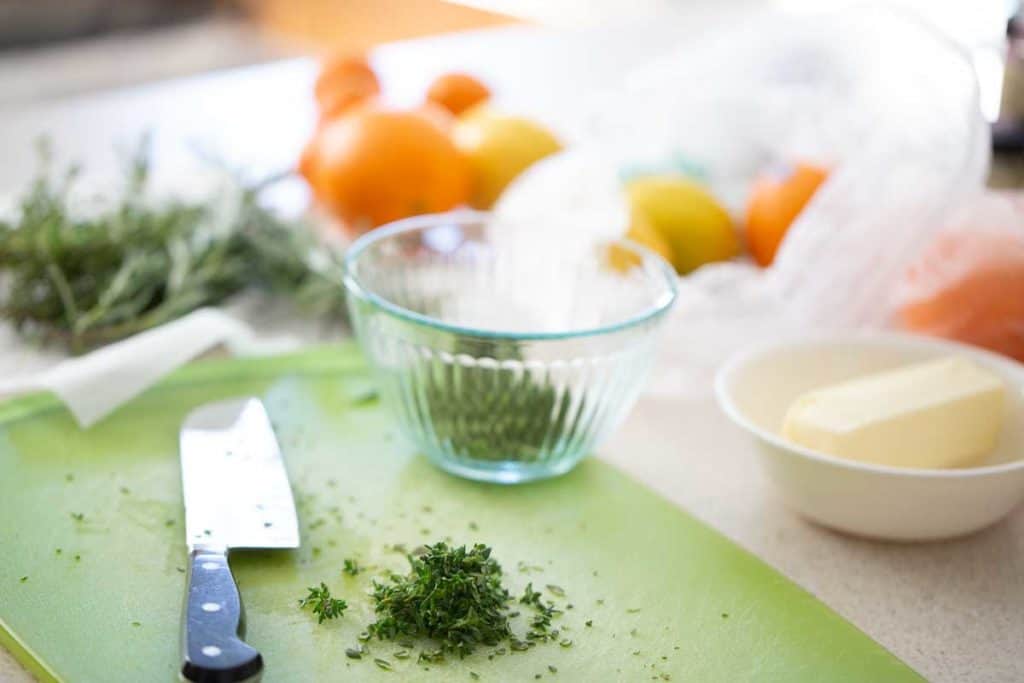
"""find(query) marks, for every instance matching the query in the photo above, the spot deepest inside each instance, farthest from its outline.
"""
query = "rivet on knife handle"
(213, 650)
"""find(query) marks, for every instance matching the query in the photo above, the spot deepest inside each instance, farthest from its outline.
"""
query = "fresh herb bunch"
(451, 595)
(84, 281)
(322, 604)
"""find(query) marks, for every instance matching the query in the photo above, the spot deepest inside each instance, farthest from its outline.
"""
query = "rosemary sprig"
(86, 280)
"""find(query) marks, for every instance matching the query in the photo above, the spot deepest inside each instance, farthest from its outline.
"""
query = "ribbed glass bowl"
(504, 359)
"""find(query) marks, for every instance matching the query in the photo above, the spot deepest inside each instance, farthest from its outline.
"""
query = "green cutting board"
(98, 599)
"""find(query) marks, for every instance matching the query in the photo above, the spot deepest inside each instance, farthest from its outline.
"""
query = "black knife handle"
(212, 649)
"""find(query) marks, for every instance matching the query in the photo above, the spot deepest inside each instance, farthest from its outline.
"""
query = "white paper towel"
(93, 385)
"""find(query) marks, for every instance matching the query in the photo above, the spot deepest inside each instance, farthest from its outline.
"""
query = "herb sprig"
(87, 280)
(322, 604)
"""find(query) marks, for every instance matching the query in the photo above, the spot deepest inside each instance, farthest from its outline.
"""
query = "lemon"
(499, 147)
(642, 232)
(697, 229)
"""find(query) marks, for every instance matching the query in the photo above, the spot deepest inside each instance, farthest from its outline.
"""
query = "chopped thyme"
(451, 595)
(322, 604)
(530, 596)
(431, 656)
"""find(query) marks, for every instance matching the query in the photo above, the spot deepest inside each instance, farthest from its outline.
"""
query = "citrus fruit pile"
(681, 220)
(370, 164)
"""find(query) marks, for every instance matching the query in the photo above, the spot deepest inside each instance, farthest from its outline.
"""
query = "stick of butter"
(944, 413)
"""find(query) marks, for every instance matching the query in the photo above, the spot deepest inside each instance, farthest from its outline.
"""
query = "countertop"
(952, 610)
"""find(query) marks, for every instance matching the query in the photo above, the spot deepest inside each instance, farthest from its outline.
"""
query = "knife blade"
(237, 495)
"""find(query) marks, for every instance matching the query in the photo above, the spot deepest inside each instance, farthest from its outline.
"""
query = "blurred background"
(55, 48)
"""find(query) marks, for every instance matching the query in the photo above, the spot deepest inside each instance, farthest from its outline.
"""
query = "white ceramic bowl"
(756, 387)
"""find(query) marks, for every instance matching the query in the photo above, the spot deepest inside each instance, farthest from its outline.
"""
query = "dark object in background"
(1007, 136)
(1008, 131)
(31, 22)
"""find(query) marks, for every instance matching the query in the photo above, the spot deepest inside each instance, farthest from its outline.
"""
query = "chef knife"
(236, 496)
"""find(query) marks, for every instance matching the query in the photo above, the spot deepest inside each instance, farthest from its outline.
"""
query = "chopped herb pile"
(451, 595)
(322, 604)
(452, 599)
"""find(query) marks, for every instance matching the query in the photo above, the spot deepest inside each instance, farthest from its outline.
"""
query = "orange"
(457, 92)
(775, 202)
(376, 165)
(344, 82)
(968, 285)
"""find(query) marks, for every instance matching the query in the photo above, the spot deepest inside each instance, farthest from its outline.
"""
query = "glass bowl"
(504, 358)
